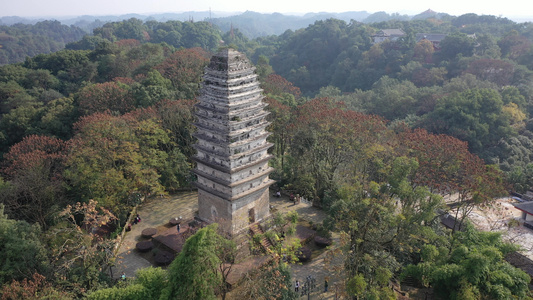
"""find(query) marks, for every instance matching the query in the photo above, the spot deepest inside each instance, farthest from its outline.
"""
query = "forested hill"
(22, 40)
(479, 59)
(475, 84)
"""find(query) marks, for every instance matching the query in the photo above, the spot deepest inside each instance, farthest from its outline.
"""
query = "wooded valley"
(374, 133)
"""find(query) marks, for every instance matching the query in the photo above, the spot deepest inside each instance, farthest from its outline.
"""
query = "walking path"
(156, 212)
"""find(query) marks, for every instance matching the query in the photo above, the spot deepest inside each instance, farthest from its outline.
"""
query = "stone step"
(256, 229)
(266, 242)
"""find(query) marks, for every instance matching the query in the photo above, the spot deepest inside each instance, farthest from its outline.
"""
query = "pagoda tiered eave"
(232, 170)
(228, 183)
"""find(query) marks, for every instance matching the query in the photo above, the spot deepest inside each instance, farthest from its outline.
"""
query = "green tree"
(88, 42)
(23, 254)
(456, 44)
(130, 292)
(153, 89)
(13, 95)
(263, 67)
(13, 72)
(148, 284)
(194, 273)
(328, 141)
(356, 286)
(382, 225)
(40, 79)
(114, 160)
(307, 57)
(392, 99)
(272, 281)
(20, 41)
(487, 46)
(328, 91)
(473, 266)
(58, 117)
(80, 258)
(17, 124)
(423, 51)
(474, 116)
(69, 66)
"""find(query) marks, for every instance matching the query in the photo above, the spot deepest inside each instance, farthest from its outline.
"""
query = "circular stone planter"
(322, 241)
(174, 221)
(144, 246)
(163, 258)
(304, 254)
(149, 232)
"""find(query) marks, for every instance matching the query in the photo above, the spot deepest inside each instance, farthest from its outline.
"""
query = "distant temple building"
(387, 35)
(434, 38)
(232, 159)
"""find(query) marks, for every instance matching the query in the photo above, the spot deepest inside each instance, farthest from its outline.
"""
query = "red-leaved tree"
(276, 84)
(34, 169)
(108, 96)
(447, 167)
(331, 142)
(185, 68)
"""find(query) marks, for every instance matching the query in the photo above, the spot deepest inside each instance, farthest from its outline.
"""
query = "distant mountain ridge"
(89, 22)
(20, 40)
(251, 24)
(264, 24)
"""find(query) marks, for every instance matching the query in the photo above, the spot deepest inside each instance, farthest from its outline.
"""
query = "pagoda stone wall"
(232, 149)
(234, 217)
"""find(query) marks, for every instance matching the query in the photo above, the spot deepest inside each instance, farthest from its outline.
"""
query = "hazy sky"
(32, 8)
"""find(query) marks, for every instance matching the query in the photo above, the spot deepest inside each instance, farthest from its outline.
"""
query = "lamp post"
(309, 286)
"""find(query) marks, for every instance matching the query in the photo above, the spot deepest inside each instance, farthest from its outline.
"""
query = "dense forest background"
(107, 118)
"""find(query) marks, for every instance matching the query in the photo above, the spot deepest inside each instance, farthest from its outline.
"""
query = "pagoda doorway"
(251, 215)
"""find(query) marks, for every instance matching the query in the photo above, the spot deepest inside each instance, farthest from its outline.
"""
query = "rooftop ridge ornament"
(232, 158)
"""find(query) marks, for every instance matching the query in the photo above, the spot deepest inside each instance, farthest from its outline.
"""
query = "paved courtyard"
(157, 211)
(154, 212)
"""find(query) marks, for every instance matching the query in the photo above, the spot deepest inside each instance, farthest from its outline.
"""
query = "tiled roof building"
(387, 34)
(434, 38)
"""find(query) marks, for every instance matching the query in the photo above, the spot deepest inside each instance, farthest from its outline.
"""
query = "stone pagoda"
(232, 159)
